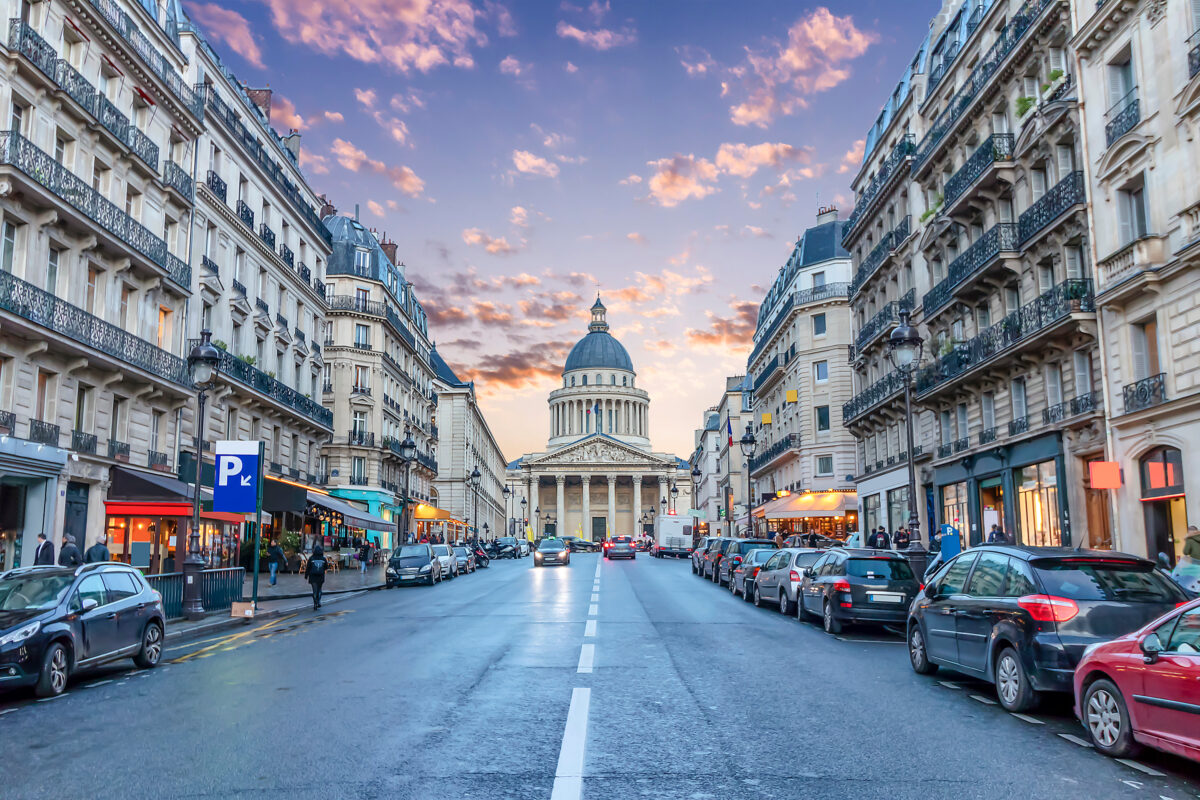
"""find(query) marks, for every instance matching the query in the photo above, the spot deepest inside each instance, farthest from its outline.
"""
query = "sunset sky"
(522, 153)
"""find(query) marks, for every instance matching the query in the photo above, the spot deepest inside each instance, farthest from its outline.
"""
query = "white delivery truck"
(672, 536)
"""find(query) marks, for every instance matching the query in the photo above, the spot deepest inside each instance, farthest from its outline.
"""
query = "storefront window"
(871, 511)
(954, 506)
(1037, 501)
(145, 542)
(897, 501)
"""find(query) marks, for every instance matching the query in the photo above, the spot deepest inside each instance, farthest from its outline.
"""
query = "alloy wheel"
(783, 601)
(153, 644)
(916, 647)
(1103, 717)
(58, 671)
(1008, 679)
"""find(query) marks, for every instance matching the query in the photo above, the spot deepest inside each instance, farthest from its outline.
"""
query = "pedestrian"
(275, 559)
(778, 540)
(97, 552)
(997, 536)
(901, 539)
(69, 556)
(879, 540)
(315, 574)
(364, 556)
(44, 554)
(1191, 545)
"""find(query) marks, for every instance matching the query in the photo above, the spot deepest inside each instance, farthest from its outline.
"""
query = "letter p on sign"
(227, 467)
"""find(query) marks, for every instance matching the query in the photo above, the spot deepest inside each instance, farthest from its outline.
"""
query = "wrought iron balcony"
(783, 445)
(239, 287)
(361, 438)
(945, 450)
(1064, 195)
(896, 163)
(267, 235)
(83, 442)
(962, 444)
(127, 132)
(43, 432)
(884, 318)
(217, 186)
(364, 390)
(327, 387)
(1193, 44)
(1122, 117)
(1085, 403)
(939, 72)
(249, 375)
(210, 265)
(877, 392)
(281, 321)
(288, 256)
(769, 369)
(158, 461)
(21, 154)
(320, 287)
(1055, 413)
(262, 306)
(306, 275)
(299, 334)
(118, 451)
(1001, 237)
(987, 435)
(276, 467)
(1018, 426)
(427, 461)
(358, 480)
(293, 473)
(245, 214)
(316, 348)
(997, 147)
(1056, 304)
(36, 305)
(177, 178)
(1145, 393)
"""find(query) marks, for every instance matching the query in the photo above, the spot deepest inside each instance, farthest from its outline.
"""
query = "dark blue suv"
(56, 620)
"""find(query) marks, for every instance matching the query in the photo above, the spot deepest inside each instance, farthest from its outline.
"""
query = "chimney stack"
(328, 209)
(292, 143)
(826, 214)
(262, 99)
(389, 248)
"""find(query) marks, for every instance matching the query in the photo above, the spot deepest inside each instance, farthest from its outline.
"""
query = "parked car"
(734, 553)
(620, 547)
(551, 551)
(1021, 617)
(56, 620)
(815, 541)
(712, 556)
(853, 585)
(579, 545)
(446, 555)
(466, 558)
(1158, 668)
(521, 545)
(780, 579)
(698, 554)
(745, 573)
(413, 562)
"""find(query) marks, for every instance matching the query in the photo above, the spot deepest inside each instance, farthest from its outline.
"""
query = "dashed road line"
(593, 610)
(1140, 767)
(587, 658)
(52, 699)
(1027, 718)
(589, 629)
(989, 701)
(97, 683)
(1073, 739)
(950, 685)
(595, 597)
(6, 711)
(568, 777)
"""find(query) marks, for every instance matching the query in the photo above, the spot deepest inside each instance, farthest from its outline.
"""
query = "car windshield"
(1113, 580)
(413, 550)
(551, 545)
(441, 550)
(25, 593)
(747, 547)
(888, 569)
(461, 551)
(807, 559)
(506, 540)
(760, 556)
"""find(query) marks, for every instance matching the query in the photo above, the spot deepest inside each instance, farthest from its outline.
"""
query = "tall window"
(821, 371)
(1144, 337)
(8, 246)
(164, 327)
(1054, 392)
(818, 280)
(358, 469)
(362, 377)
(83, 407)
(231, 425)
(362, 336)
(1018, 398)
(1120, 83)
(156, 430)
(360, 422)
(961, 419)
(362, 262)
(52, 270)
(987, 407)
(1073, 258)
(1012, 299)
(1082, 363)
(946, 424)
(822, 418)
(44, 401)
(92, 290)
(117, 418)
(818, 324)
(16, 119)
(824, 465)
(1132, 211)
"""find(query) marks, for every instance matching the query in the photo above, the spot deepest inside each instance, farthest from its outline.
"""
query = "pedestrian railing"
(219, 589)
(170, 586)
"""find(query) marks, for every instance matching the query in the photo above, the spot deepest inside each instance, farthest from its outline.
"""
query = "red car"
(1144, 688)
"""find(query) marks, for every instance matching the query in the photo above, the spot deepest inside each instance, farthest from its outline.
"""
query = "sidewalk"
(292, 585)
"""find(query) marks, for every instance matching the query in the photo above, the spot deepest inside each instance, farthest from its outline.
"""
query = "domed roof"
(598, 349)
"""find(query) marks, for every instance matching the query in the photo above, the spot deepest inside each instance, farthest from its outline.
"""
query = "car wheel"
(56, 669)
(152, 645)
(693, 568)
(832, 624)
(801, 611)
(785, 605)
(732, 586)
(1107, 720)
(918, 656)
(747, 591)
(1013, 688)
(757, 597)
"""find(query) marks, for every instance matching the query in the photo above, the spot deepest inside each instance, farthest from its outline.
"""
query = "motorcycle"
(481, 558)
(508, 551)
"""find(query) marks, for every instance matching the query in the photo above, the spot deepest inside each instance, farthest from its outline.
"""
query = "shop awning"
(128, 484)
(223, 516)
(351, 515)
(809, 504)
(424, 511)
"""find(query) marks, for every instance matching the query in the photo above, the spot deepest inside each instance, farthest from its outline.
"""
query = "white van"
(672, 536)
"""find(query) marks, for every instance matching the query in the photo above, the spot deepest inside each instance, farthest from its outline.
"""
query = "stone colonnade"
(575, 500)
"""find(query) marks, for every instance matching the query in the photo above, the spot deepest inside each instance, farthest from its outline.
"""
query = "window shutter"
(989, 410)
(1066, 160)
(1074, 259)
(1140, 368)
(1057, 59)
(1195, 15)
(1116, 84)
(1125, 213)
(1018, 398)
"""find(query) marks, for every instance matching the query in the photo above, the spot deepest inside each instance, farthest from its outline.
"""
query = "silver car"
(449, 561)
(779, 580)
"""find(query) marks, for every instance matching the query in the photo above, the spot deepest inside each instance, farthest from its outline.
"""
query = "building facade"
(801, 376)
(735, 410)
(598, 476)
(465, 444)
(378, 377)
(706, 486)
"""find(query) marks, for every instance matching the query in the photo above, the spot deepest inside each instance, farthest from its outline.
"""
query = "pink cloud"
(229, 27)
(496, 245)
(680, 177)
(511, 65)
(853, 157)
(531, 164)
(284, 111)
(317, 164)
(366, 97)
(375, 208)
(354, 159)
(598, 39)
(744, 160)
(571, 68)
(334, 116)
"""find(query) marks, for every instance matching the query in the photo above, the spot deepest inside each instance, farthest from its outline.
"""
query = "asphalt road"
(598, 680)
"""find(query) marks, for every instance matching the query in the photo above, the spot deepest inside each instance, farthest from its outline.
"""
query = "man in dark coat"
(901, 538)
(98, 551)
(879, 540)
(69, 556)
(315, 573)
(364, 555)
(44, 554)
(275, 559)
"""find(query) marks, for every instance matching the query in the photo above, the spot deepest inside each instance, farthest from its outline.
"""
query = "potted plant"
(1024, 104)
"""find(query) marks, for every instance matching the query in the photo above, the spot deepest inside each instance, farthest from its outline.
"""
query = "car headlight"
(20, 634)
(426, 568)
(391, 570)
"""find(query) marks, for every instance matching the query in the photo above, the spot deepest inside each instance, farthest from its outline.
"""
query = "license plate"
(878, 597)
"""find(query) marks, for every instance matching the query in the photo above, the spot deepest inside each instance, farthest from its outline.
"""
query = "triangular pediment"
(599, 450)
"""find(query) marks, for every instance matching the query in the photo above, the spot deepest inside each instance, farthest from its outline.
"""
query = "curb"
(231, 622)
(305, 595)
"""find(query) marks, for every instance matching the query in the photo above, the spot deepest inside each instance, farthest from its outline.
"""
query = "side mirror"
(1152, 648)
(931, 590)
(809, 572)
(90, 603)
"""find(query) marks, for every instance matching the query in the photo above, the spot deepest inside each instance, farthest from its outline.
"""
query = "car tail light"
(794, 576)
(843, 585)
(737, 559)
(755, 573)
(1047, 608)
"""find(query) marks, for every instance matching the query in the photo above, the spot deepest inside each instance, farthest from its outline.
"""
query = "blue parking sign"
(235, 484)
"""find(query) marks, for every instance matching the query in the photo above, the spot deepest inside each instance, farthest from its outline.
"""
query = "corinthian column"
(637, 505)
(585, 526)
(559, 520)
(612, 506)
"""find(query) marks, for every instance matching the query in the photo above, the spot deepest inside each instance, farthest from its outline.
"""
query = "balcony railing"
(217, 186)
(939, 72)
(306, 275)
(987, 435)
(40, 167)
(1065, 194)
(245, 214)
(895, 164)
(1056, 304)
(1120, 119)
(299, 334)
(1193, 44)
(427, 461)
(281, 321)
(262, 306)
(118, 451)
(1145, 393)
(945, 450)
(82, 442)
(239, 287)
(358, 480)
(158, 461)
(1018, 426)
(789, 442)
(769, 369)
(878, 391)
(267, 235)
(177, 178)
(997, 147)
(327, 387)
(361, 438)
(249, 375)
(43, 432)
(962, 444)
(363, 390)
(1001, 237)
(288, 256)
(883, 318)
(1085, 403)
(210, 265)
(36, 305)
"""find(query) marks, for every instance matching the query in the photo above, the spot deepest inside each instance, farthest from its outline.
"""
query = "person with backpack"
(315, 574)
(901, 538)
(879, 540)
(364, 556)
(69, 556)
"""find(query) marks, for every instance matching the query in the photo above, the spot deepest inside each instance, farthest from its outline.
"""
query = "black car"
(511, 541)
(732, 554)
(1021, 617)
(551, 551)
(413, 563)
(578, 545)
(620, 547)
(466, 559)
(56, 620)
(853, 585)
(745, 572)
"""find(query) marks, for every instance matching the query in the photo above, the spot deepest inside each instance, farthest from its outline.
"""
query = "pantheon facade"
(599, 476)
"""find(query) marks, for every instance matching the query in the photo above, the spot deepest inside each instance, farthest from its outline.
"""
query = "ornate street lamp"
(204, 365)
(747, 444)
(524, 517)
(674, 498)
(475, 479)
(507, 513)
(408, 453)
(696, 478)
(904, 351)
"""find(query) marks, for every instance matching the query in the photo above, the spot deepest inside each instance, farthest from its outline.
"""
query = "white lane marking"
(950, 685)
(983, 699)
(593, 610)
(97, 683)
(1073, 739)
(587, 658)
(1027, 718)
(590, 628)
(49, 699)
(867, 641)
(595, 597)
(568, 778)
(1132, 784)
(1139, 766)
(6, 711)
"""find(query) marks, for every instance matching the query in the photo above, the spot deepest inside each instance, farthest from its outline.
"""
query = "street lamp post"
(204, 363)
(475, 478)
(408, 452)
(904, 351)
(696, 477)
(508, 523)
(674, 498)
(524, 518)
(747, 444)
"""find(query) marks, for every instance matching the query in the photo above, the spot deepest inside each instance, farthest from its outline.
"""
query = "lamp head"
(748, 442)
(475, 478)
(408, 448)
(204, 362)
(905, 345)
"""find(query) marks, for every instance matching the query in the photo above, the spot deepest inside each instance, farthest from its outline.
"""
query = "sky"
(525, 155)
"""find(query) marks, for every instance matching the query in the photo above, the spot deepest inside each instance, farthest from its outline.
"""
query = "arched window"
(1162, 473)
(585, 380)
(612, 379)
(624, 380)
(572, 380)
(599, 379)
